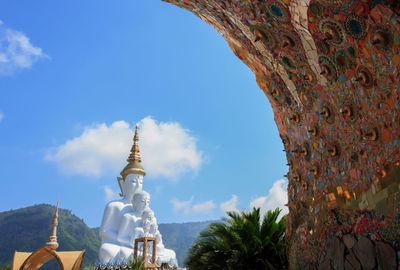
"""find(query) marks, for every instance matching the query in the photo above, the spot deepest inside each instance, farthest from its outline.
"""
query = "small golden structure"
(68, 260)
(145, 241)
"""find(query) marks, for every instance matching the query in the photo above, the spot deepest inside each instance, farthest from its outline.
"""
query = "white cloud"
(182, 206)
(98, 149)
(204, 207)
(16, 51)
(276, 197)
(230, 205)
(110, 194)
(187, 207)
(1, 114)
(166, 148)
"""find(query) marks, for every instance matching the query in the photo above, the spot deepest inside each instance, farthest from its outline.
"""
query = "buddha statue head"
(140, 201)
(148, 219)
(155, 233)
(133, 173)
(132, 184)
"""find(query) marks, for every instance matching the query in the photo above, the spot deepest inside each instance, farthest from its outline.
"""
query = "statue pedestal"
(145, 241)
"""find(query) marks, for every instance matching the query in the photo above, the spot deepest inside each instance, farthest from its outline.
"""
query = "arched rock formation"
(330, 69)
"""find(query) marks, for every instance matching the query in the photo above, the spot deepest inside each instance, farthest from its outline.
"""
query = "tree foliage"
(5, 267)
(137, 264)
(181, 236)
(242, 241)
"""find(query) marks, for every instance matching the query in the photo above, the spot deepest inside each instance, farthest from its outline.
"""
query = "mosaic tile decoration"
(330, 69)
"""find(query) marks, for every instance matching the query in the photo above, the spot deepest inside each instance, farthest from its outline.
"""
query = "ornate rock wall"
(330, 69)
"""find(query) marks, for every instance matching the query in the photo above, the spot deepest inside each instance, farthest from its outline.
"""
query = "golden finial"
(52, 243)
(134, 162)
(134, 156)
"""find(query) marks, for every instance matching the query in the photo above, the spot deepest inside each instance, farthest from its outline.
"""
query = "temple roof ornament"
(134, 162)
(52, 243)
(67, 260)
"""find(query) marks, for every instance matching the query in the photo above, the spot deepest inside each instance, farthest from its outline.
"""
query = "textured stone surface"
(386, 256)
(335, 250)
(349, 241)
(330, 248)
(325, 264)
(351, 262)
(330, 69)
(365, 253)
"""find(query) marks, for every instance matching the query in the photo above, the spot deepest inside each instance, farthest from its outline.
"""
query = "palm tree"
(241, 242)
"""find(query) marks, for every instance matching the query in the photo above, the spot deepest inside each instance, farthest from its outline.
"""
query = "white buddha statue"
(130, 218)
(130, 183)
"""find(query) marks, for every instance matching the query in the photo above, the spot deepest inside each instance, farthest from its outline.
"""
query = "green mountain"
(28, 229)
(180, 236)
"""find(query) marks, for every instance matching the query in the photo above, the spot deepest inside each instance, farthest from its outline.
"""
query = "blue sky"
(80, 74)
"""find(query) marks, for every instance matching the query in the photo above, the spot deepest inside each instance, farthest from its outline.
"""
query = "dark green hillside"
(28, 229)
(180, 236)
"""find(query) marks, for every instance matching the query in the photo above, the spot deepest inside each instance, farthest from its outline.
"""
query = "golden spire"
(52, 243)
(134, 156)
(134, 162)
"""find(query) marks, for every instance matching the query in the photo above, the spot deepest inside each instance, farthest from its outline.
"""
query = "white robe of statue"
(113, 215)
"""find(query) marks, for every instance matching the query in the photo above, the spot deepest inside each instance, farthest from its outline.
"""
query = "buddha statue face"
(141, 201)
(132, 184)
(148, 219)
(154, 227)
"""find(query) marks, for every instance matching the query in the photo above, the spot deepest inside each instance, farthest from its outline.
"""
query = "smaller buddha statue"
(150, 228)
(131, 225)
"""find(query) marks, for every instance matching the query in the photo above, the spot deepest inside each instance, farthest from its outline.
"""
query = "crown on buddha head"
(134, 162)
